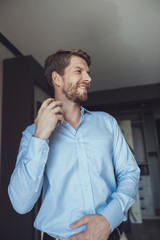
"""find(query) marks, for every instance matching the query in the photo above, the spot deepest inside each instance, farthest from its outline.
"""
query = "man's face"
(76, 80)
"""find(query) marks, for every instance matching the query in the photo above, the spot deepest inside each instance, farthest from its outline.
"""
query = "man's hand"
(49, 114)
(98, 228)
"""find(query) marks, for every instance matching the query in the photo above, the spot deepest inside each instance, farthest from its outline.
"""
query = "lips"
(86, 87)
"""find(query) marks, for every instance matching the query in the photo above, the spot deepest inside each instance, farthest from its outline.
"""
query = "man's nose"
(87, 77)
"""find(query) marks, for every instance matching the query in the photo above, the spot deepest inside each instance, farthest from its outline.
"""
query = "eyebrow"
(82, 69)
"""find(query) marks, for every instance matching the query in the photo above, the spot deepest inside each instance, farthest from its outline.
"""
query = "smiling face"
(76, 80)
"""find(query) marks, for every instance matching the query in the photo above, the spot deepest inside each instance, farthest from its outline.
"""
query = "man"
(80, 158)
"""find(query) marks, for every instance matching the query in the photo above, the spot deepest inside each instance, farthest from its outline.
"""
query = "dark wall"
(129, 95)
(19, 76)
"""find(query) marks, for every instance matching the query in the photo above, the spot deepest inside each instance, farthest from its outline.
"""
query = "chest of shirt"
(91, 144)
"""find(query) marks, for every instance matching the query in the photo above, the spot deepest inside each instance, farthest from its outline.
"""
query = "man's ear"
(56, 79)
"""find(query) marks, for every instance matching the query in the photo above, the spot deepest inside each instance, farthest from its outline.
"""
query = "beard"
(71, 92)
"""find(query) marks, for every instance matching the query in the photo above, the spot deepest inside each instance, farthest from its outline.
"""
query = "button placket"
(84, 174)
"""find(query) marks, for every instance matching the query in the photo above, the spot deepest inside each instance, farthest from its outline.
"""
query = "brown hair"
(60, 60)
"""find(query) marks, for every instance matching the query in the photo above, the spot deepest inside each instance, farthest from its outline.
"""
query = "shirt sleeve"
(127, 174)
(27, 179)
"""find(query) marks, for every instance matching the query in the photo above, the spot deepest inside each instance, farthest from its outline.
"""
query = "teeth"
(83, 87)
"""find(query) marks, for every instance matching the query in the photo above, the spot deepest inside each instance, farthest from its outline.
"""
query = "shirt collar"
(83, 111)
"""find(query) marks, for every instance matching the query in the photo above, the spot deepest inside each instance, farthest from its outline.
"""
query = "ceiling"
(122, 36)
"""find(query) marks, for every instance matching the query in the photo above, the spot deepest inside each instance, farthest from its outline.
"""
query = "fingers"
(54, 104)
(60, 118)
(50, 104)
(79, 236)
(80, 222)
(57, 110)
(97, 227)
(47, 102)
(49, 114)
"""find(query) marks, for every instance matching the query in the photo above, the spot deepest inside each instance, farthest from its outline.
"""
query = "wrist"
(40, 135)
(108, 225)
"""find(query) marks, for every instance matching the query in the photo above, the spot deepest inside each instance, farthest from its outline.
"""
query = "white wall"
(122, 36)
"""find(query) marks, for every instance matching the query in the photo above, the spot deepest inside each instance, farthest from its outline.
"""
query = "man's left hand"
(97, 228)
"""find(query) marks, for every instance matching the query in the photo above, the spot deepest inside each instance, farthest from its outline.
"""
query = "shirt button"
(86, 187)
(39, 177)
(83, 163)
(45, 151)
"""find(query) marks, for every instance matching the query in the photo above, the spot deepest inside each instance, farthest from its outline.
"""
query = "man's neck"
(71, 111)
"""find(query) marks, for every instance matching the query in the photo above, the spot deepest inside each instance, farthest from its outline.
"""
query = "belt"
(49, 237)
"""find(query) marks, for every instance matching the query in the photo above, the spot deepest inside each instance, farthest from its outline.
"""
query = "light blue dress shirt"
(76, 169)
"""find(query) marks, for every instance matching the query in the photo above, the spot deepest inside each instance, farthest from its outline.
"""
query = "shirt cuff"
(38, 150)
(113, 213)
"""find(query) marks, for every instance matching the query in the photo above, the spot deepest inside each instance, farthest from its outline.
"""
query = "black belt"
(114, 235)
(48, 237)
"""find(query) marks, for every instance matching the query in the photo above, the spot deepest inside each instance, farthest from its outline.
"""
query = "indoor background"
(123, 40)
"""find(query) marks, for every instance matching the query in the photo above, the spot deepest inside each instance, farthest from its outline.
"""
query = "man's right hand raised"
(49, 114)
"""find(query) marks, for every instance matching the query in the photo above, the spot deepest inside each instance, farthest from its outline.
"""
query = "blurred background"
(123, 40)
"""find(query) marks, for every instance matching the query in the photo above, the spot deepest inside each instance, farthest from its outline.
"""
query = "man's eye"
(79, 71)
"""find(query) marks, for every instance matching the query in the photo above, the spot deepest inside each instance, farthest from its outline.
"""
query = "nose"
(87, 77)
